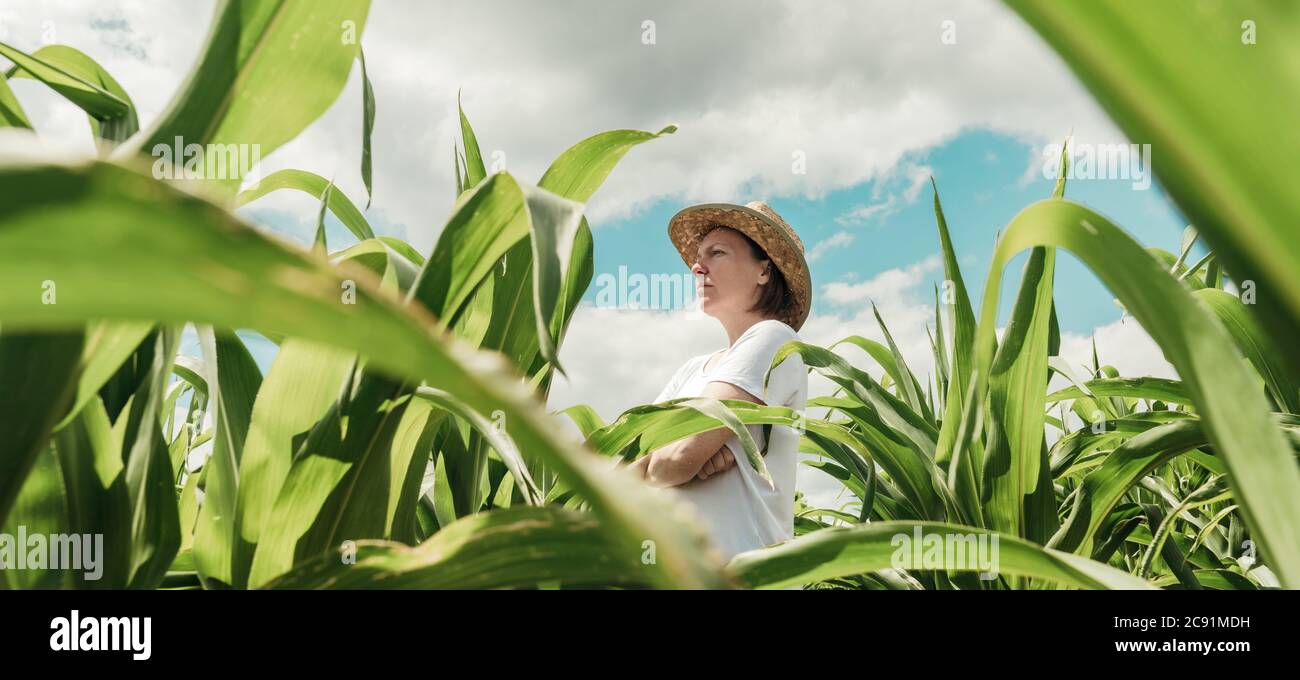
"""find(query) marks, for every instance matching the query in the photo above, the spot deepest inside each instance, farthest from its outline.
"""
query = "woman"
(752, 277)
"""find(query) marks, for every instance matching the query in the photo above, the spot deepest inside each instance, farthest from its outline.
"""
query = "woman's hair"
(775, 298)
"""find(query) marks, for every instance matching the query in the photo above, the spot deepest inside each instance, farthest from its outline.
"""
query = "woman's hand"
(721, 461)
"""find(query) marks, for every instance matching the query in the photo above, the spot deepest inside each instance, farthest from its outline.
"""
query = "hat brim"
(689, 225)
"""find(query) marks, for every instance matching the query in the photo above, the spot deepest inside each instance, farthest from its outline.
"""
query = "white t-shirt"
(740, 510)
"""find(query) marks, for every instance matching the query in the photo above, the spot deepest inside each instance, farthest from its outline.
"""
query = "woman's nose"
(698, 269)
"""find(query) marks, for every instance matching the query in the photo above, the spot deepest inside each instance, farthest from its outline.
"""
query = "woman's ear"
(766, 274)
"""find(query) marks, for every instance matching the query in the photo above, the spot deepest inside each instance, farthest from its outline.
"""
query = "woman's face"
(728, 277)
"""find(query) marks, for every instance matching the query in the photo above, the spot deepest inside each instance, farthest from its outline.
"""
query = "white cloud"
(868, 212)
(1122, 344)
(616, 358)
(915, 176)
(888, 284)
(839, 239)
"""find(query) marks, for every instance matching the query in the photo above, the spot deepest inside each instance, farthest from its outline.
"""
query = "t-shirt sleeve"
(746, 364)
(674, 383)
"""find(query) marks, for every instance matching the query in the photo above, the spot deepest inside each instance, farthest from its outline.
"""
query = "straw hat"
(761, 223)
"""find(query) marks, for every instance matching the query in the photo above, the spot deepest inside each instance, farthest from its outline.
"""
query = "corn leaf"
(835, 552)
(269, 69)
(480, 551)
(31, 401)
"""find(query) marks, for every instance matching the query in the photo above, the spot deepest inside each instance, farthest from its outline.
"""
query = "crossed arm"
(699, 455)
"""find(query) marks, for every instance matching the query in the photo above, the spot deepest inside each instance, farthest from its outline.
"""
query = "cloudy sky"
(836, 113)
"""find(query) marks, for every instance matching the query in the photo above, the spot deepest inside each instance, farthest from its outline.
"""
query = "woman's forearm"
(679, 463)
(664, 468)
(653, 472)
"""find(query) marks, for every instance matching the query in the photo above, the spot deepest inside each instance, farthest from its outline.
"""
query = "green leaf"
(919, 481)
(38, 375)
(40, 509)
(318, 244)
(269, 69)
(1162, 389)
(328, 492)
(835, 552)
(304, 380)
(367, 126)
(473, 161)
(1015, 453)
(444, 505)
(555, 224)
(233, 380)
(393, 261)
(910, 388)
(645, 428)
(409, 459)
(95, 487)
(717, 410)
(963, 333)
(575, 174)
(150, 480)
(585, 417)
(313, 185)
(460, 176)
(502, 213)
(1160, 525)
(879, 353)
(962, 454)
(108, 345)
(1255, 344)
(519, 547)
(583, 167)
(115, 129)
(88, 96)
(11, 112)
